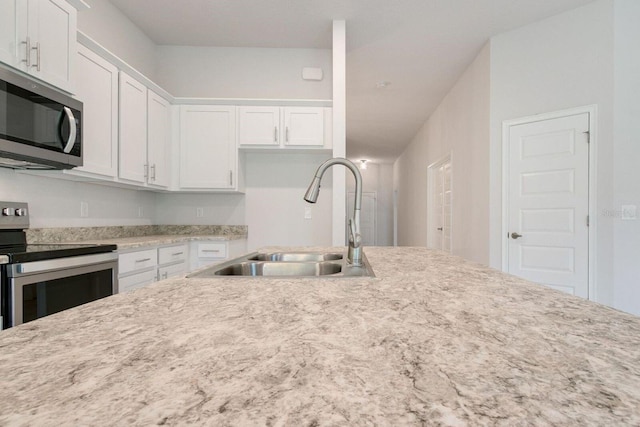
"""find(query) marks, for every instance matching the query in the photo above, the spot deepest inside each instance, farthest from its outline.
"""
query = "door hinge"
(587, 220)
(588, 133)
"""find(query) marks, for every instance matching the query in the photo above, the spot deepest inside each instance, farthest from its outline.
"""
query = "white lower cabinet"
(136, 269)
(140, 267)
(173, 261)
(208, 252)
(135, 281)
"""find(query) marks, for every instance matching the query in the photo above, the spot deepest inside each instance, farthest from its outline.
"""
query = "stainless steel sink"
(274, 268)
(297, 256)
(287, 264)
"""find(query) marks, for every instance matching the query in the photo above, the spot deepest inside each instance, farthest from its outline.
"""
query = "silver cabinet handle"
(27, 59)
(515, 235)
(231, 178)
(146, 170)
(286, 134)
(440, 229)
(211, 250)
(37, 49)
(143, 260)
(177, 253)
(153, 172)
(72, 130)
(275, 134)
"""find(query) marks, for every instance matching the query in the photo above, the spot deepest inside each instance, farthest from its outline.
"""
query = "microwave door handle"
(72, 130)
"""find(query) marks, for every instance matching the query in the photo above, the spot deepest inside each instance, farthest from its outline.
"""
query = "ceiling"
(420, 46)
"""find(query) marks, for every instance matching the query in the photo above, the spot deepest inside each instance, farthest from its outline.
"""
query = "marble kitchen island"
(431, 340)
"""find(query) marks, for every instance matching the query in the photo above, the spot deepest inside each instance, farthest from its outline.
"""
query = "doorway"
(439, 201)
(547, 201)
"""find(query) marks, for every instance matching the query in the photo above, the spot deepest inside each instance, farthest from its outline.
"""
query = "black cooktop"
(39, 252)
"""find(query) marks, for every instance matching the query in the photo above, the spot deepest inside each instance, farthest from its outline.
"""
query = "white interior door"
(548, 202)
(367, 217)
(440, 210)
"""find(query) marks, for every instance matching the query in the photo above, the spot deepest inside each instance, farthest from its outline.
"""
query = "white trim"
(592, 110)
(430, 198)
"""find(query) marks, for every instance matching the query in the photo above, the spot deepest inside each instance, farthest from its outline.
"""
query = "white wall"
(626, 173)
(105, 24)
(56, 202)
(561, 62)
(378, 178)
(275, 186)
(460, 127)
(221, 72)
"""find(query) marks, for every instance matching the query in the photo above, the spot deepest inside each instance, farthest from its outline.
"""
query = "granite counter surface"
(432, 340)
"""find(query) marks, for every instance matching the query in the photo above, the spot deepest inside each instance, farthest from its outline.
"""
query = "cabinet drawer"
(174, 270)
(172, 254)
(139, 260)
(136, 281)
(212, 250)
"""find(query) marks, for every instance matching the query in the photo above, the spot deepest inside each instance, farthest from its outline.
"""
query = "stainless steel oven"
(40, 128)
(41, 279)
(37, 289)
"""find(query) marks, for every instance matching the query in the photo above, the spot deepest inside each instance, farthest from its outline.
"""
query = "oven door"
(45, 287)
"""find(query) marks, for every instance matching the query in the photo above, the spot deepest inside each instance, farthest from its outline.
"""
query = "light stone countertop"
(432, 340)
(125, 243)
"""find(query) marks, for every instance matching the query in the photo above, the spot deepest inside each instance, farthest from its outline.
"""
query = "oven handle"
(17, 270)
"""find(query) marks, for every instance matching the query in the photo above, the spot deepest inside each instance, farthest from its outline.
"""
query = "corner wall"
(460, 127)
(105, 24)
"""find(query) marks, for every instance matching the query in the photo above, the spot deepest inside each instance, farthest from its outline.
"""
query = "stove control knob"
(8, 211)
(21, 212)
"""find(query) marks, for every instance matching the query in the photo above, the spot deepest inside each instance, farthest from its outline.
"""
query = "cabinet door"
(208, 147)
(304, 126)
(259, 126)
(97, 88)
(158, 139)
(52, 31)
(133, 130)
(136, 281)
(13, 33)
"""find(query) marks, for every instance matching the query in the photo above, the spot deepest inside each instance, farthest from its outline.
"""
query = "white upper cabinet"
(303, 126)
(145, 134)
(39, 38)
(133, 130)
(159, 139)
(259, 126)
(97, 88)
(13, 31)
(282, 127)
(208, 152)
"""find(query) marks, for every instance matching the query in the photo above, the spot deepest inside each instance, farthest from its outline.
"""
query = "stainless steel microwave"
(40, 128)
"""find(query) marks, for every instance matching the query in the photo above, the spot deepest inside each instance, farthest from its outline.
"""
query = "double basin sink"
(288, 264)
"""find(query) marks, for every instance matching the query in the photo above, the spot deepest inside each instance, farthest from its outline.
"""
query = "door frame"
(593, 217)
(431, 170)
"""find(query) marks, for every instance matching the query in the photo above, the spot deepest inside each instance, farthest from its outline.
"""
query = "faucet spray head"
(311, 195)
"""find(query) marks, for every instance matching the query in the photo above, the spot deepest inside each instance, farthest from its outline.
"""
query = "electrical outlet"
(307, 212)
(629, 212)
(84, 209)
(199, 212)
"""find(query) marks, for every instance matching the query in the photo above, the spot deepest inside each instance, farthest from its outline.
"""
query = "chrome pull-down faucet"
(354, 253)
